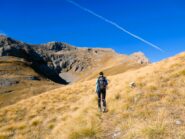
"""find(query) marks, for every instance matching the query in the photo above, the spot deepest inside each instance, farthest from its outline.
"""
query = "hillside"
(154, 109)
(27, 70)
(18, 80)
(115, 67)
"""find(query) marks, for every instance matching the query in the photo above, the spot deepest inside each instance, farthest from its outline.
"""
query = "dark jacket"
(97, 85)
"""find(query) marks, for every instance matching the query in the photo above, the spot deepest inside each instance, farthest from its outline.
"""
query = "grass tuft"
(156, 131)
(51, 126)
(36, 121)
(182, 72)
(83, 133)
(117, 96)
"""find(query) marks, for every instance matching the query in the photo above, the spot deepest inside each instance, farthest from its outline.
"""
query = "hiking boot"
(104, 109)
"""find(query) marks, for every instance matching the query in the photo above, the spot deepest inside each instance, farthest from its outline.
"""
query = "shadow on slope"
(19, 81)
(10, 47)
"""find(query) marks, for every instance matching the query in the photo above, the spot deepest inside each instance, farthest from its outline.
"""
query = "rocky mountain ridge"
(54, 58)
(10, 47)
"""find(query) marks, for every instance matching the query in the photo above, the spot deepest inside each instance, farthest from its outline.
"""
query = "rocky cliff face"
(10, 47)
(67, 58)
(55, 58)
(58, 46)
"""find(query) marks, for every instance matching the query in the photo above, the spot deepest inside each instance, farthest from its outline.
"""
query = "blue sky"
(161, 22)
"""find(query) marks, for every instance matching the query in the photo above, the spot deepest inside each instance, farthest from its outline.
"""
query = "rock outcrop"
(67, 58)
(8, 82)
(140, 58)
(58, 46)
(10, 47)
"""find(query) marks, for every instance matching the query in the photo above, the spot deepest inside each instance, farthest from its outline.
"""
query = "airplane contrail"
(115, 25)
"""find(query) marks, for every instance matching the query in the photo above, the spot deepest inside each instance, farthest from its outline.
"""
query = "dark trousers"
(101, 97)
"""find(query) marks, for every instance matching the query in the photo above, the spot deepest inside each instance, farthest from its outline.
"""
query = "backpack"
(102, 82)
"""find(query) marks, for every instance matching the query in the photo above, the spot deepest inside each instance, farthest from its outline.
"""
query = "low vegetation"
(19, 81)
(154, 109)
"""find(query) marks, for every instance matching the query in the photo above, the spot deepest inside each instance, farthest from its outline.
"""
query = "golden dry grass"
(154, 109)
(111, 65)
(116, 69)
(13, 68)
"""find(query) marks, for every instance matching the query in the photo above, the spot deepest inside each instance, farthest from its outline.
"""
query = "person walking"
(101, 86)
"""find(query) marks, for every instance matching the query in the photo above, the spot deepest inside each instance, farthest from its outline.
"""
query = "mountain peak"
(2, 36)
(4, 40)
(58, 46)
(140, 57)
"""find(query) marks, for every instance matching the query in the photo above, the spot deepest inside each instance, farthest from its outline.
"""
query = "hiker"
(101, 85)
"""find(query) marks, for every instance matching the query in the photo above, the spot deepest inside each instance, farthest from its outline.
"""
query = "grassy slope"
(111, 65)
(150, 110)
(116, 69)
(101, 60)
(13, 68)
